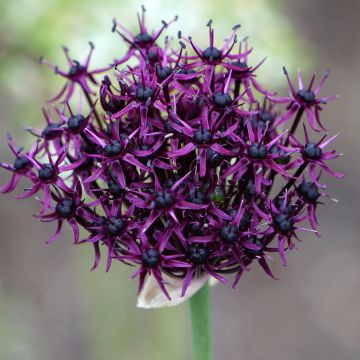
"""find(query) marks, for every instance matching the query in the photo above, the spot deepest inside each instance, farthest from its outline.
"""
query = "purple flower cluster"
(171, 165)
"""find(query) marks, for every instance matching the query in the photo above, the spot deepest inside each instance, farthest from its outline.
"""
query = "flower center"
(186, 72)
(283, 157)
(21, 163)
(306, 96)
(143, 94)
(309, 192)
(266, 116)
(163, 72)
(253, 252)
(212, 54)
(240, 64)
(198, 254)
(213, 158)
(47, 172)
(114, 225)
(312, 151)
(169, 182)
(48, 132)
(283, 223)
(245, 220)
(152, 56)
(66, 208)
(143, 39)
(222, 100)
(113, 148)
(218, 195)
(164, 199)
(151, 258)
(279, 204)
(203, 136)
(229, 233)
(250, 190)
(76, 69)
(197, 197)
(257, 151)
(76, 122)
(114, 105)
(197, 228)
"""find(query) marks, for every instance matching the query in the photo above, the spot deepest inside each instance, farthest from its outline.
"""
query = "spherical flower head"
(173, 170)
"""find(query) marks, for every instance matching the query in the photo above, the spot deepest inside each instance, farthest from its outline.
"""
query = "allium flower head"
(170, 168)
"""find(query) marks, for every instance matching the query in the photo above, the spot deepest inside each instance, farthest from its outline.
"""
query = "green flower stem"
(201, 324)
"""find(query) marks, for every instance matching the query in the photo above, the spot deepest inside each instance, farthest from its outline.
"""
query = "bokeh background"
(53, 307)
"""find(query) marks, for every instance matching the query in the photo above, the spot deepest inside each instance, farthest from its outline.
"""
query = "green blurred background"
(52, 307)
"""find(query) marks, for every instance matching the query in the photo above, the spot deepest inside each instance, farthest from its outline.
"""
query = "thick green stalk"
(201, 324)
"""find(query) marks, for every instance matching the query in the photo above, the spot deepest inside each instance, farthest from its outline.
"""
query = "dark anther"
(214, 159)
(143, 39)
(202, 136)
(307, 96)
(65, 208)
(212, 54)
(257, 151)
(21, 163)
(113, 148)
(183, 46)
(198, 254)
(151, 257)
(114, 226)
(309, 192)
(229, 233)
(115, 189)
(163, 199)
(312, 151)
(143, 94)
(197, 197)
(47, 172)
(283, 223)
(76, 122)
(48, 133)
(222, 100)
